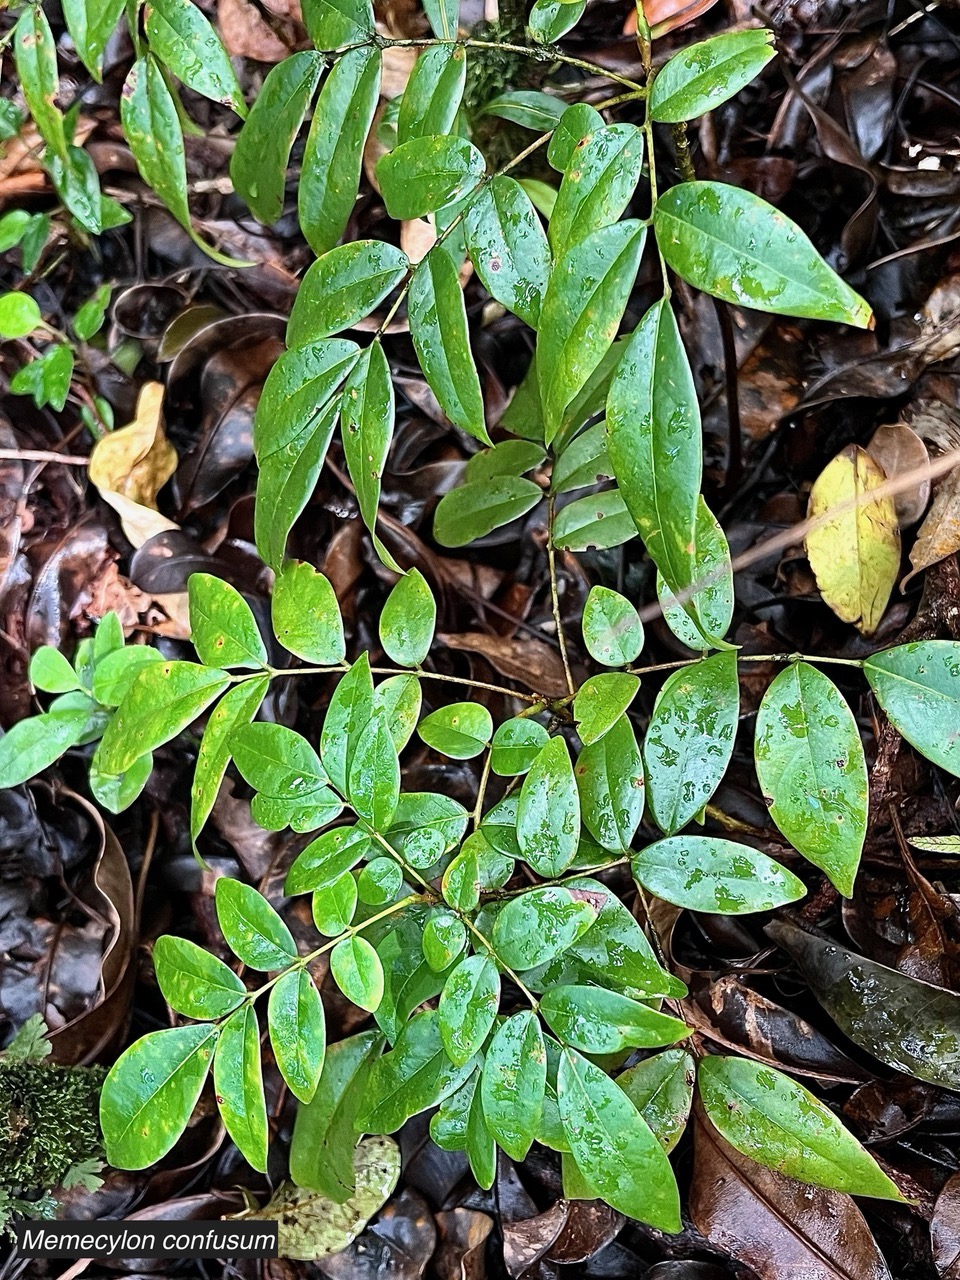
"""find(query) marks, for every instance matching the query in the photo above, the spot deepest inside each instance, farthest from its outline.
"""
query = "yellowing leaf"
(855, 552)
(131, 466)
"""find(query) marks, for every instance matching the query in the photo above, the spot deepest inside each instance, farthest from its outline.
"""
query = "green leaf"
(357, 971)
(278, 761)
(476, 509)
(253, 930)
(408, 979)
(333, 905)
(548, 815)
(737, 247)
(35, 54)
(476, 868)
(91, 23)
(812, 771)
(108, 638)
(513, 1083)
(51, 671)
(117, 792)
(690, 739)
(459, 731)
(374, 784)
(661, 1088)
(325, 859)
(703, 76)
(780, 1124)
(654, 441)
(342, 287)
(274, 814)
(598, 1021)
(703, 873)
(258, 166)
(114, 674)
(614, 1147)
(712, 603)
(448, 1127)
(185, 42)
(347, 716)
(163, 700)
(577, 123)
(426, 174)
(408, 620)
(298, 387)
(598, 182)
(444, 938)
(601, 701)
(516, 744)
(610, 781)
(368, 410)
(297, 1032)
(468, 1006)
(330, 176)
(433, 94)
(534, 927)
(583, 462)
(530, 108)
(194, 982)
(287, 479)
(150, 1092)
(509, 458)
(90, 317)
(78, 186)
(582, 309)
(438, 326)
(334, 23)
(399, 700)
(551, 19)
(415, 1075)
(47, 379)
(306, 614)
(442, 16)
(238, 1081)
(508, 247)
(425, 811)
(918, 686)
(612, 630)
(222, 626)
(19, 315)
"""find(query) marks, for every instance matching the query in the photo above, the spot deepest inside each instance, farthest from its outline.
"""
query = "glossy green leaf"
(476, 868)
(115, 673)
(399, 700)
(812, 770)
(222, 626)
(610, 781)
(513, 1083)
(438, 326)
(614, 1147)
(459, 731)
(117, 792)
(583, 462)
(534, 927)
(368, 411)
(333, 905)
(347, 716)
(705, 75)
(581, 313)
(278, 761)
(548, 814)
(19, 315)
(342, 287)
(238, 1082)
(576, 123)
(598, 1021)
(442, 16)
(598, 182)
(508, 247)
(448, 1126)
(433, 94)
(325, 859)
(737, 247)
(253, 930)
(297, 1032)
(426, 174)
(306, 614)
(661, 1088)
(357, 971)
(612, 630)
(418, 812)
(194, 982)
(918, 686)
(298, 387)
(408, 620)
(690, 739)
(476, 509)
(51, 671)
(374, 782)
(530, 108)
(444, 937)
(185, 42)
(78, 186)
(150, 1092)
(163, 700)
(90, 317)
(551, 19)
(703, 873)
(334, 23)
(508, 458)
(601, 701)
(332, 160)
(258, 166)
(288, 477)
(777, 1122)
(468, 1006)
(315, 811)
(712, 602)
(516, 744)
(91, 23)
(415, 1075)
(35, 53)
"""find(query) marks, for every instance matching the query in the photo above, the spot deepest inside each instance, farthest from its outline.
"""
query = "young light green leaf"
(374, 782)
(444, 937)
(368, 411)
(812, 770)
(90, 317)
(332, 160)
(661, 1088)
(516, 744)
(690, 739)
(610, 781)
(438, 326)
(238, 1082)
(468, 1006)
(380, 882)
(334, 23)
(705, 75)
(612, 630)
(508, 247)
(399, 700)
(278, 762)
(163, 699)
(576, 124)
(347, 716)
(51, 671)
(548, 814)
(297, 1032)
(253, 930)
(737, 247)
(342, 287)
(357, 971)
(534, 927)
(473, 510)
(150, 1092)
(530, 108)
(287, 478)
(777, 1122)
(408, 620)
(581, 313)
(19, 315)
(703, 873)
(598, 1021)
(460, 731)
(433, 94)
(222, 626)
(551, 19)
(194, 982)
(426, 174)
(415, 1075)
(306, 614)
(712, 603)
(601, 701)
(613, 1146)
(185, 42)
(35, 54)
(258, 166)
(918, 686)
(325, 859)
(333, 905)
(91, 23)
(598, 182)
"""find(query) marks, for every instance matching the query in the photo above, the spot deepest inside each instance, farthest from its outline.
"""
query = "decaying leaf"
(130, 467)
(939, 535)
(855, 554)
(898, 450)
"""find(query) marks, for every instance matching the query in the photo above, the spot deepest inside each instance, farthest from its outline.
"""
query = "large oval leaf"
(426, 174)
(918, 686)
(535, 926)
(297, 1032)
(468, 1006)
(473, 510)
(181, 36)
(548, 815)
(599, 1021)
(164, 698)
(235, 709)
(703, 873)
(342, 287)
(432, 97)
(704, 75)
(712, 601)
(513, 1083)
(610, 781)
(194, 982)
(415, 1075)
(598, 181)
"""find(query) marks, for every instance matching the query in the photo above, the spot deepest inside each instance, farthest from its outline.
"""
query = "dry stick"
(43, 455)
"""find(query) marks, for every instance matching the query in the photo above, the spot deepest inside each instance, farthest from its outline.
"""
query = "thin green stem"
(555, 600)
(482, 789)
(505, 967)
(461, 680)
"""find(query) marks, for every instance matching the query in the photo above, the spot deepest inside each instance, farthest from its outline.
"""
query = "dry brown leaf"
(897, 449)
(531, 662)
(939, 535)
(130, 467)
(245, 34)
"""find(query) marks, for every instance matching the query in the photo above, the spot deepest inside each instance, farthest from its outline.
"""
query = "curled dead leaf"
(531, 662)
(939, 535)
(130, 467)
(897, 449)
